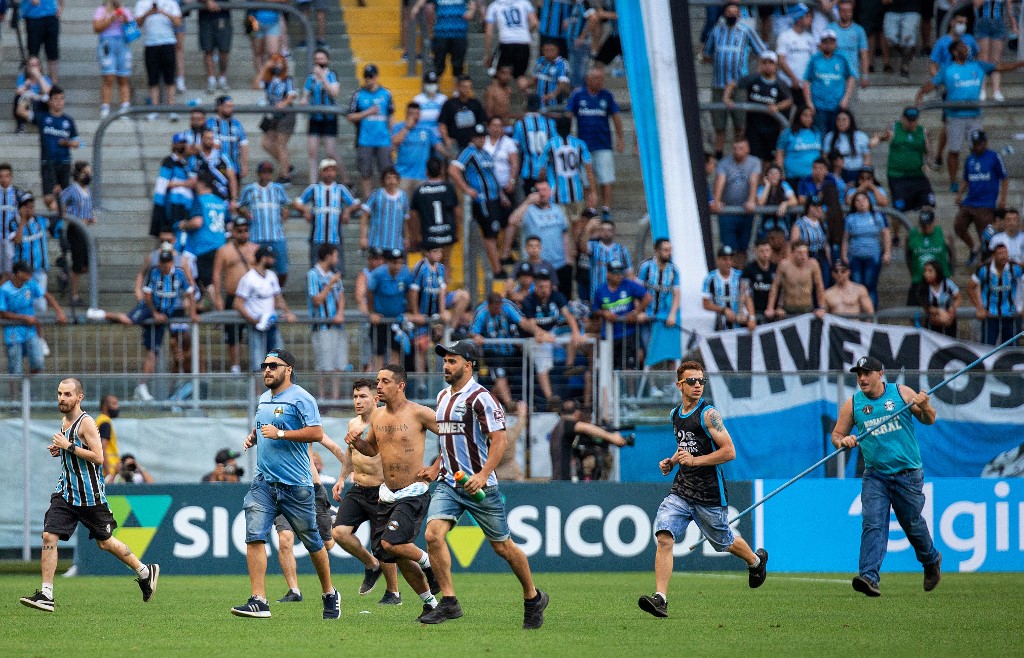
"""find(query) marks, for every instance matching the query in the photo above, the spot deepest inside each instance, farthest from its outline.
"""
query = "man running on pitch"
(80, 498)
(360, 503)
(471, 427)
(698, 492)
(397, 433)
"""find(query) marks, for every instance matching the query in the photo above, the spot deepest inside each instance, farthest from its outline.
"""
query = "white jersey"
(258, 292)
(797, 48)
(430, 108)
(465, 419)
(511, 18)
(1014, 244)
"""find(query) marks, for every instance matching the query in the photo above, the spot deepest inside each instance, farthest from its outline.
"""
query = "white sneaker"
(998, 96)
(96, 314)
(983, 96)
(655, 392)
(179, 84)
(222, 84)
(236, 369)
(152, 116)
(44, 347)
(172, 117)
(142, 392)
(104, 111)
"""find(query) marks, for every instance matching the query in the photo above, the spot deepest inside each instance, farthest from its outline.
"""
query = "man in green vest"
(926, 243)
(908, 147)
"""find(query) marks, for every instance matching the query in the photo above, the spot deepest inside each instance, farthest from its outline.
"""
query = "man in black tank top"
(698, 491)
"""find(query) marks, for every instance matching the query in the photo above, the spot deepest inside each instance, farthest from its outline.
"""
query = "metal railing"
(756, 108)
(797, 209)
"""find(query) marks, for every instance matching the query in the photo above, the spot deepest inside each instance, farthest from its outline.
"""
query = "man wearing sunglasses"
(287, 421)
(698, 491)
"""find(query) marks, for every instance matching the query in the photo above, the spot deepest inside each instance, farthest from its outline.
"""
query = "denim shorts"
(448, 504)
(296, 503)
(604, 166)
(675, 513)
(115, 57)
(991, 28)
(17, 352)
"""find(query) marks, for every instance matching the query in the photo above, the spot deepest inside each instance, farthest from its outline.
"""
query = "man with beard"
(230, 263)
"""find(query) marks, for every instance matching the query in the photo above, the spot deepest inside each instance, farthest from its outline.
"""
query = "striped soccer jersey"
(81, 481)
(465, 420)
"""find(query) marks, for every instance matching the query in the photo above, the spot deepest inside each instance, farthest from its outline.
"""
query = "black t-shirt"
(436, 203)
(562, 437)
(760, 283)
(698, 484)
(460, 117)
(764, 92)
(547, 315)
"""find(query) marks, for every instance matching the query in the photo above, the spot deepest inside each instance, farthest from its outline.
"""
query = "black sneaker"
(866, 587)
(533, 611)
(148, 585)
(332, 605)
(447, 608)
(39, 601)
(291, 597)
(426, 611)
(391, 598)
(932, 574)
(435, 589)
(654, 604)
(253, 608)
(370, 578)
(756, 575)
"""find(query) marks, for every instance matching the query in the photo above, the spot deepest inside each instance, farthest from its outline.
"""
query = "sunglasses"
(272, 366)
(693, 381)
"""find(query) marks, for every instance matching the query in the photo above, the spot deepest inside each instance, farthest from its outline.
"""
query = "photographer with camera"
(129, 471)
(227, 469)
(582, 443)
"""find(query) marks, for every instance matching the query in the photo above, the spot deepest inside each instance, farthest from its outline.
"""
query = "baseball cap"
(264, 167)
(524, 269)
(24, 198)
(374, 252)
(370, 71)
(911, 113)
(240, 221)
(589, 213)
(394, 254)
(725, 250)
(479, 129)
(828, 34)
(815, 201)
(926, 216)
(867, 364)
(770, 56)
(224, 455)
(284, 355)
(430, 78)
(465, 348)
(797, 11)
(327, 162)
(978, 136)
(166, 256)
(180, 138)
(265, 250)
(223, 99)
(542, 274)
(616, 265)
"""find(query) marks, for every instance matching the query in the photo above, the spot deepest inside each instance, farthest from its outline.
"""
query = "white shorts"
(330, 349)
(543, 357)
(604, 166)
(40, 304)
(958, 131)
(900, 28)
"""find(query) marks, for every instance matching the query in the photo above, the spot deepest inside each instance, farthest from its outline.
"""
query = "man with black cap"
(893, 476)
(986, 183)
(372, 110)
(549, 310)
(226, 469)
(473, 174)
(471, 433)
(909, 187)
(258, 299)
(926, 243)
(287, 421)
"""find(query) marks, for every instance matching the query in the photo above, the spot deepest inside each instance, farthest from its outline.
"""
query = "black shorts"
(165, 217)
(232, 332)
(323, 515)
(323, 127)
(204, 265)
(214, 32)
(62, 518)
(516, 55)
(399, 522)
(358, 506)
(382, 339)
(79, 247)
(610, 49)
(160, 64)
(624, 353)
(490, 216)
(43, 32)
(53, 174)
(911, 193)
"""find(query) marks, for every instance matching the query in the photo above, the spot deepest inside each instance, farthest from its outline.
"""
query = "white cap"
(327, 162)
(828, 34)
(770, 55)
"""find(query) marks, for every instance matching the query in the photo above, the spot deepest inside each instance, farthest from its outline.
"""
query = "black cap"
(589, 213)
(911, 113)
(815, 201)
(430, 78)
(978, 136)
(374, 252)
(24, 198)
(867, 364)
(223, 99)
(465, 348)
(284, 355)
(524, 269)
(543, 274)
(224, 455)
(616, 265)
(265, 250)
(370, 71)
(166, 256)
(926, 216)
(725, 250)
(394, 254)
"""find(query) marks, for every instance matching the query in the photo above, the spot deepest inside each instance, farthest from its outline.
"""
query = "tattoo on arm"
(716, 420)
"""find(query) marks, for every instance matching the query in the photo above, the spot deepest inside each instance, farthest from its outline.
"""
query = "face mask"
(85, 180)
(114, 413)
(276, 70)
(731, 20)
(960, 28)
(430, 89)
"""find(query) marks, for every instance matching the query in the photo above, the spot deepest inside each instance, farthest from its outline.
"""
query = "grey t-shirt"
(548, 224)
(737, 178)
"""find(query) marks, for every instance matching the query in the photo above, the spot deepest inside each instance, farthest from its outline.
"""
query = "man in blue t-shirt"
(287, 421)
(986, 183)
(372, 110)
(593, 106)
(17, 306)
(58, 134)
(204, 233)
(414, 144)
(622, 302)
(389, 294)
(828, 83)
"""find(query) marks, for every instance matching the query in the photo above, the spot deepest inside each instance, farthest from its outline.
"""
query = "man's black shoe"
(435, 589)
(148, 585)
(756, 575)
(370, 578)
(448, 608)
(654, 604)
(426, 610)
(932, 574)
(533, 611)
(866, 587)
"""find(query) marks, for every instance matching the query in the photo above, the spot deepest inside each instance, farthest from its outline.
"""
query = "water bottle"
(462, 479)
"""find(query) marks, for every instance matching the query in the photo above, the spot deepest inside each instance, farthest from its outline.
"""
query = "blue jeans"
(296, 503)
(448, 504)
(825, 120)
(675, 513)
(734, 231)
(865, 271)
(998, 330)
(29, 349)
(261, 342)
(903, 493)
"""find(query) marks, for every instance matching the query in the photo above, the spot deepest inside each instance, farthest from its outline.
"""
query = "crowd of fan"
(828, 257)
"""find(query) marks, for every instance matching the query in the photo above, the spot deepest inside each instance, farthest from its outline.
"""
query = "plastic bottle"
(462, 479)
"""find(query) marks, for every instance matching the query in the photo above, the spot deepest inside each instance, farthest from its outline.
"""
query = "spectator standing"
(531, 134)
(763, 88)
(852, 144)
(230, 264)
(909, 187)
(736, 182)
(939, 298)
(551, 75)
(515, 22)
(503, 151)
(498, 318)
(661, 278)
(986, 182)
(265, 204)
(828, 82)
(172, 193)
(498, 95)
(31, 93)
(8, 217)
(926, 244)
(901, 25)
(994, 289)
(811, 229)
(429, 287)
(866, 244)
(548, 309)
(798, 286)
(991, 19)
(539, 217)
(852, 40)
(798, 147)
(76, 202)
(277, 127)
(114, 53)
(372, 111)
(435, 210)
(623, 303)
(389, 294)
(326, 205)
(110, 408)
(794, 48)
(600, 250)
(473, 173)
(204, 232)
(231, 137)
(774, 191)
(721, 293)
(578, 36)
(430, 101)
(414, 145)
(325, 295)
(264, 27)
(258, 300)
(58, 134)
(383, 224)
(552, 24)
(322, 88)
(209, 159)
(319, 8)
(159, 20)
(757, 277)
(19, 298)
(567, 160)
(215, 32)
(451, 28)
(729, 47)
(460, 115)
(42, 32)
(593, 106)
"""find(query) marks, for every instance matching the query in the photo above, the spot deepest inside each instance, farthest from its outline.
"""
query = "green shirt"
(906, 152)
(924, 248)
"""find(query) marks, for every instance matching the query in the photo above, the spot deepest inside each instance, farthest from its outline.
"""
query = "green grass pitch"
(591, 614)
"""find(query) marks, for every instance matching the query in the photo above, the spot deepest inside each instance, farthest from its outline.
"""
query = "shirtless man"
(797, 285)
(360, 503)
(398, 433)
(846, 297)
(230, 263)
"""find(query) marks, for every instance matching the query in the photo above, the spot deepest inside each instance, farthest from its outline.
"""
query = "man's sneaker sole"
(45, 606)
(154, 576)
(758, 575)
(648, 605)
(259, 614)
(536, 609)
(370, 578)
(864, 587)
(930, 583)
